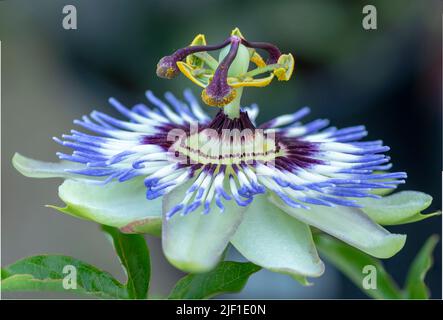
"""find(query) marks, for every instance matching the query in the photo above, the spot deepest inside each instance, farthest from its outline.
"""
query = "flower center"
(227, 141)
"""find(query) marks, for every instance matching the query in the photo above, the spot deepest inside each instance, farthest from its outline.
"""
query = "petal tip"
(391, 245)
(190, 266)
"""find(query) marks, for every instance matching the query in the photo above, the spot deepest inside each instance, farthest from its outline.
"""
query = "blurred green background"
(388, 79)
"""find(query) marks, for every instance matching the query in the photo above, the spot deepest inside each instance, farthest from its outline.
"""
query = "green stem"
(232, 110)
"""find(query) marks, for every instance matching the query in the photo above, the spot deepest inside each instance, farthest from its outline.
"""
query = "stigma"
(222, 78)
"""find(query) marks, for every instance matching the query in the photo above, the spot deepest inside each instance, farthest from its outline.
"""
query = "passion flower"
(210, 182)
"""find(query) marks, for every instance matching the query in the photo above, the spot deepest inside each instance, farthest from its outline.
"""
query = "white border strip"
(0, 162)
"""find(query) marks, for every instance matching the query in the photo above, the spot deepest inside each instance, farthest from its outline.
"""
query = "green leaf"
(415, 287)
(352, 262)
(4, 274)
(398, 208)
(47, 273)
(117, 204)
(276, 241)
(227, 277)
(134, 257)
(350, 225)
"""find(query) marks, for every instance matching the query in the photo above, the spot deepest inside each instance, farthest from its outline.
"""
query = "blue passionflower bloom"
(302, 165)
(207, 182)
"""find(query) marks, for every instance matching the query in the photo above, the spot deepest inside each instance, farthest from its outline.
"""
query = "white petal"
(398, 208)
(350, 225)
(40, 169)
(195, 242)
(118, 204)
(276, 241)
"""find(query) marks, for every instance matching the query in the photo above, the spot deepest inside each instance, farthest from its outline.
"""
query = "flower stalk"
(232, 109)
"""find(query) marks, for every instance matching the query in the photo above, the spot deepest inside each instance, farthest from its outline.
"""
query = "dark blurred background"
(388, 79)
